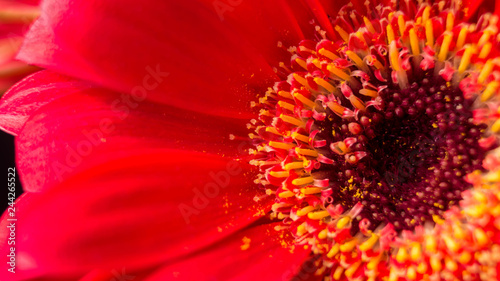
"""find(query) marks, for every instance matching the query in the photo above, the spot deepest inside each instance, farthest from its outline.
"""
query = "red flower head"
(278, 140)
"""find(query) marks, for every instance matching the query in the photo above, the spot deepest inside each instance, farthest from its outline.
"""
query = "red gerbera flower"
(374, 158)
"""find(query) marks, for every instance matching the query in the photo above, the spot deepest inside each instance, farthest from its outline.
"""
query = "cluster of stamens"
(378, 136)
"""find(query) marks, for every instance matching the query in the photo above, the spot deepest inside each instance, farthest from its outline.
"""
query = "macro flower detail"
(256, 140)
(370, 144)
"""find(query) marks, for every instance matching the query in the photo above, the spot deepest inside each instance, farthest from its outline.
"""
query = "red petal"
(216, 54)
(265, 259)
(133, 212)
(30, 94)
(92, 126)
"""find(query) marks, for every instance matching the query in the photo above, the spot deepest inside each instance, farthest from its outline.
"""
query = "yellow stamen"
(273, 130)
(369, 25)
(335, 107)
(14, 15)
(450, 20)
(343, 222)
(435, 262)
(338, 273)
(286, 105)
(286, 194)
(304, 211)
(328, 54)
(285, 94)
(461, 38)
(341, 74)
(373, 61)
(352, 269)
(481, 238)
(320, 81)
(303, 181)
(349, 245)
(311, 190)
(291, 120)
(485, 51)
(390, 34)
(333, 251)
(294, 165)
(429, 33)
(485, 72)
(401, 24)
(279, 174)
(415, 48)
(301, 62)
(369, 243)
(411, 273)
(308, 152)
(323, 234)
(426, 14)
(464, 63)
(304, 100)
(355, 58)
(484, 38)
(300, 79)
(369, 93)
(416, 252)
(393, 55)
(402, 255)
(281, 145)
(300, 137)
(318, 215)
(448, 36)
(490, 90)
(342, 33)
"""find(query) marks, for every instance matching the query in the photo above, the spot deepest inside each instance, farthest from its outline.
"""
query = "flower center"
(376, 129)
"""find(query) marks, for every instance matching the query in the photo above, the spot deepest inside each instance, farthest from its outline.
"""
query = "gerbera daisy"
(230, 140)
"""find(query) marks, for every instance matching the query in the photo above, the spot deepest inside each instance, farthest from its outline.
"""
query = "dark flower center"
(415, 153)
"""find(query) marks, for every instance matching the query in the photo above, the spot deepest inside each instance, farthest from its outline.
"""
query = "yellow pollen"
(294, 165)
(369, 243)
(450, 20)
(339, 73)
(415, 48)
(445, 46)
(303, 181)
(431, 244)
(318, 215)
(402, 25)
(281, 145)
(286, 105)
(328, 54)
(411, 273)
(451, 244)
(355, 58)
(304, 211)
(422, 267)
(342, 33)
(490, 90)
(286, 194)
(301, 229)
(416, 252)
(311, 190)
(485, 51)
(464, 63)
(461, 38)
(305, 100)
(308, 152)
(390, 34)
(292, 120)
(429, 33)
(485, 72)
(280, 174)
